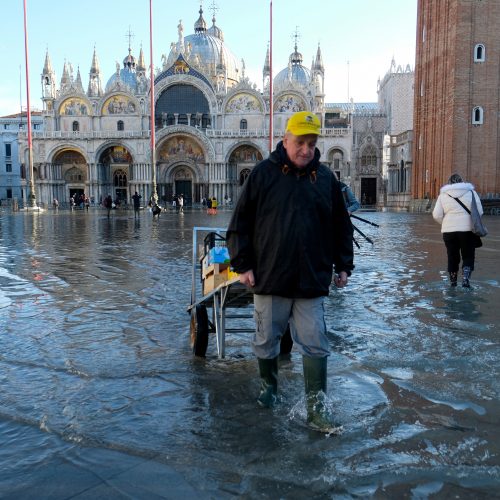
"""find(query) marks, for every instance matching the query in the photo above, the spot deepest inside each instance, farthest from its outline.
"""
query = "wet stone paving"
(101, 397)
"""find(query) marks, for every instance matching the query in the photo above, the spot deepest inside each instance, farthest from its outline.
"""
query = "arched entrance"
(180, 159)
(241, 162)
(183, 184)
(114, 173)
(74, 173)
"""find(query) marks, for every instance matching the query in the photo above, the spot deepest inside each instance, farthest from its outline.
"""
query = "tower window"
(477, 115)
(76, 126)
(479, 53)
(120, 125)
(243, 124)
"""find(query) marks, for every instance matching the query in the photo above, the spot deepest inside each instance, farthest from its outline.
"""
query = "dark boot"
(268, 369)
(466, 272)
(318, 415)
(453, 278)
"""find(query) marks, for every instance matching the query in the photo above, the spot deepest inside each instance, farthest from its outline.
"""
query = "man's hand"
(340, 279)
(247, 278)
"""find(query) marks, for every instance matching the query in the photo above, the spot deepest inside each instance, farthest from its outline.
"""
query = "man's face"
(300, 148)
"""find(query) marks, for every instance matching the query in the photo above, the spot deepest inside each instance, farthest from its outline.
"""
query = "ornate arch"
(76, 105)
(290, 101)
(119, 103)
(169, 81)
(200, 138)
(67, 146)
(169, 173)
(111, 143)
(240, 144)
(252, 97)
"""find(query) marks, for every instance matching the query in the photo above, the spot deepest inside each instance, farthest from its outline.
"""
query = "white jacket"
(449, 213)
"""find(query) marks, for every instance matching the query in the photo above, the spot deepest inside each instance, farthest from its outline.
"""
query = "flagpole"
(154, 194)
(271, 104)
(31, 187)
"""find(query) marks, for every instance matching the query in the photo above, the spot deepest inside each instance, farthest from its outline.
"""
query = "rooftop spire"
(94, 67)
(141, 65)
(267, 63)
(200, 26)
(47, 67)
(319, 60)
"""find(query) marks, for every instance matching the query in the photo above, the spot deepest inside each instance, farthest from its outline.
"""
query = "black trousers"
(460, 245)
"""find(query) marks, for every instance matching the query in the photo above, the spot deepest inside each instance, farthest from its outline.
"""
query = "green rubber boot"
(268, 369)
(318, 414)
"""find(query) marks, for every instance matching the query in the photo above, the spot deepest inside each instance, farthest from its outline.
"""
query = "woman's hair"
(454, 179)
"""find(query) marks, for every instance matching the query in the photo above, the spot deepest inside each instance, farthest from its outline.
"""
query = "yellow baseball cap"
(303, 123)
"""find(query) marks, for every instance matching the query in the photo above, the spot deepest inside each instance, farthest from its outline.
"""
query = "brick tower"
(457, 96)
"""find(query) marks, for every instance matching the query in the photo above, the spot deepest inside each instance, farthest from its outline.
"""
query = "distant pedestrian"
(351, 202)
(108, 204)
(456, 225)
(181, 203)
(55, 203)
(136, 198)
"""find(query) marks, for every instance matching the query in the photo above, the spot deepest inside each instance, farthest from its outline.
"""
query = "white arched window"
(477, 115)
(479, 53)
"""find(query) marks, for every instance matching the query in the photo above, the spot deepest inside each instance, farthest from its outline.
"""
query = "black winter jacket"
(290, 226)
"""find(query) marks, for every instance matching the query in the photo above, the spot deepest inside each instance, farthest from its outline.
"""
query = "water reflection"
(94, 352)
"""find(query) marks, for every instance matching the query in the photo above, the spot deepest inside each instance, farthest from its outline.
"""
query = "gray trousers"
(307, 325)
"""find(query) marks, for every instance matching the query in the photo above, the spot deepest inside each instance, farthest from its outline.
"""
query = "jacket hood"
(458, 188)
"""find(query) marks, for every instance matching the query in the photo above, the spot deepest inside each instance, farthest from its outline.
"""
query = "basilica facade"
(211, 125)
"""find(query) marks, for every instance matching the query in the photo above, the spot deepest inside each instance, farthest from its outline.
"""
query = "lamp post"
(31, 184)
(271, 103)
(154, 194)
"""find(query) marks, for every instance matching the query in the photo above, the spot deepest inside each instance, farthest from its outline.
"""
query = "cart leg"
(218, 326)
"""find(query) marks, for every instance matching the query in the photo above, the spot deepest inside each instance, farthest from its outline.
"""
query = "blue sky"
(358, 38)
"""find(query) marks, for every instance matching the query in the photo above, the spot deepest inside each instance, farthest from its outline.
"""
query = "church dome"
(205, 49)
(294, 72)
(127, 74)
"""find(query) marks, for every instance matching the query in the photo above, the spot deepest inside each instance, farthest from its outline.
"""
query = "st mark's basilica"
(211, 125)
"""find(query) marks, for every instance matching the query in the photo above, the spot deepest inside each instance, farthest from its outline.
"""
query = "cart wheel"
(199, 330)
(286, 342)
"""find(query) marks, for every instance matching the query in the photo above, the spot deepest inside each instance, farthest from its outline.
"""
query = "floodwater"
(100, 396)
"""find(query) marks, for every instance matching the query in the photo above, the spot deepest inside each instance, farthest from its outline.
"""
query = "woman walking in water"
(452, 211)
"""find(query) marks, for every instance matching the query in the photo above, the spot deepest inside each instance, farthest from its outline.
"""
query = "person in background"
(456, 226)
(351, 202)
(108, 204)
(289, 229)
(136, 198)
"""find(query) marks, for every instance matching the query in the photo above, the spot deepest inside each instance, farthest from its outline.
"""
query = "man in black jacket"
(289, 227)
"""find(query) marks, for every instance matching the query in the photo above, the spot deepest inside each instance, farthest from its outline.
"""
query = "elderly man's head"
(301, 136)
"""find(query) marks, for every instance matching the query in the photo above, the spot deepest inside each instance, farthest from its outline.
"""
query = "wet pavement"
(100, 396)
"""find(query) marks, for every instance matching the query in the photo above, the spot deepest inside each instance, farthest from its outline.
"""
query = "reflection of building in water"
(212, 124)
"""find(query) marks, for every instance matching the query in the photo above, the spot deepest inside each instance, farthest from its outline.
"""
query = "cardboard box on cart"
(213, 280)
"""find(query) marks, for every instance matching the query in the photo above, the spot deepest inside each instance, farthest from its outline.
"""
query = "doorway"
(368, 191)
(184, 187)
(79, 196)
